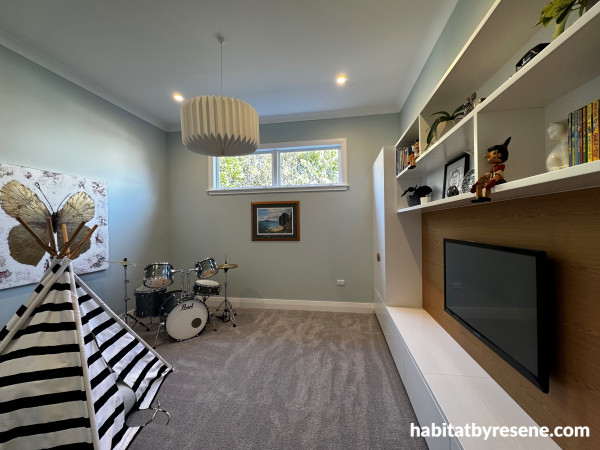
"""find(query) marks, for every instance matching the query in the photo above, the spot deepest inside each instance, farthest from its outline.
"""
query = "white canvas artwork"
(33, 194)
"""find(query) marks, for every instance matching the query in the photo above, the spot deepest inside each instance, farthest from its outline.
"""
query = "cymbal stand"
(126, 299)
(229, 312)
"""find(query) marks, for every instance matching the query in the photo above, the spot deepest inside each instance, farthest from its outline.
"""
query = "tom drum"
(158, 274)
(207, 268)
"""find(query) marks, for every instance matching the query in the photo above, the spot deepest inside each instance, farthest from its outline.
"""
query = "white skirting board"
(298, 305)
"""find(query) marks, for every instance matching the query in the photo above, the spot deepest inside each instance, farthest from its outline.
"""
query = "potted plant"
(417, 193)
(559, 11)
(443, 118)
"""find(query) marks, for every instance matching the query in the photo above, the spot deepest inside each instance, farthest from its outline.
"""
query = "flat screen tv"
(499, 294)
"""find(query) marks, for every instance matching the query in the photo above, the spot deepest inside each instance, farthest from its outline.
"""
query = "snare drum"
(185, 317)
(148, 301)
(158, 274)
(206, 288)
(207, 268)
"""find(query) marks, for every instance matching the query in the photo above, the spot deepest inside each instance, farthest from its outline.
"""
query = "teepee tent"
(67, 367)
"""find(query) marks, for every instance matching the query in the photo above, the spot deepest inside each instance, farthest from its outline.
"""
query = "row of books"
(403, 156)
(584, 134)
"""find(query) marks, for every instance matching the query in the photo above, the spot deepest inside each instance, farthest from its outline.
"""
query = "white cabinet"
(397, 280)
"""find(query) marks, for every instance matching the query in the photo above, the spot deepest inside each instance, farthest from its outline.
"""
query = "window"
(311, 165)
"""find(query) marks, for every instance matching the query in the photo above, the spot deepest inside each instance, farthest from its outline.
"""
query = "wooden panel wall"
(567, 227)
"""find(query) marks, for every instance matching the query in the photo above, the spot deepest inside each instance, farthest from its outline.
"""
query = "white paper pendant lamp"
(219, 126)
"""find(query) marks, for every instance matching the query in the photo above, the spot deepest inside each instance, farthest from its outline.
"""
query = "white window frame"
(275, 149)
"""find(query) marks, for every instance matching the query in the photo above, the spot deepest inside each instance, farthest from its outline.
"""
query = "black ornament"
(452, 191)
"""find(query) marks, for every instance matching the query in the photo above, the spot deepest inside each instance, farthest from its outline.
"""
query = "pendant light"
(219, 126)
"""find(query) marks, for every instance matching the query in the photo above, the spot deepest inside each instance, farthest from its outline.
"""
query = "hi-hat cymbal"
(125, 263)
(227, 266)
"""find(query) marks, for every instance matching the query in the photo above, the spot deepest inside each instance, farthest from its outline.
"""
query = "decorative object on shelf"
(559, 156)
(496, 155)
(413, 154)
(454, 172)
(559, 11)
(444, 122)
(469, 104)
(275, 221)
(468, 181)
(530, 55)
(417, 194)
(452, 191)
(219, 126)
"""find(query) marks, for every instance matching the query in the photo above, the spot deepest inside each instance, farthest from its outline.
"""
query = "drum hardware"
(229, 312)
(125, 316)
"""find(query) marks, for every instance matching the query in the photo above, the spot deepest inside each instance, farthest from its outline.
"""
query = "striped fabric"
(59, 370)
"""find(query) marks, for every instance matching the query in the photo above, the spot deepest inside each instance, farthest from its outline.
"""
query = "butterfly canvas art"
(33, 195)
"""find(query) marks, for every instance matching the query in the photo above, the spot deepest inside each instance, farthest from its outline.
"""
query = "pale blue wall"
(49, 123)
(336, 232)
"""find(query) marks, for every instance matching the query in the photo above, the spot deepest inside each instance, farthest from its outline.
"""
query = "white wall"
(335, 227)
(463, 21)
(47, 122)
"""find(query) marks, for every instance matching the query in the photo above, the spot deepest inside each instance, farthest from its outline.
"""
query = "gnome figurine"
(496, 156)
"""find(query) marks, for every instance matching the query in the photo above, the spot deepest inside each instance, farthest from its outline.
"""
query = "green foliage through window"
(294, 166)
(245, 171)
(309, 168)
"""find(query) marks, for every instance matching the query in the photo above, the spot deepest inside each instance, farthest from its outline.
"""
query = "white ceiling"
(281, 56)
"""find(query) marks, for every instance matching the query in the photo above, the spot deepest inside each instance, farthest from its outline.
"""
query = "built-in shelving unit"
(563, 77)
(444, 383)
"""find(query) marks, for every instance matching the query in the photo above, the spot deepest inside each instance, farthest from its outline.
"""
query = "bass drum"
(185, 317)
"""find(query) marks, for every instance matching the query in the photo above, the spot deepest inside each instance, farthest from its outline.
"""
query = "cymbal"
(125, 263)
(227, 266)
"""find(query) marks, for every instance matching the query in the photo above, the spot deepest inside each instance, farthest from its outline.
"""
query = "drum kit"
(184, 312)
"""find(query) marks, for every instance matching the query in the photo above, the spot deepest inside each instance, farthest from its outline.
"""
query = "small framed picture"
(276, 221)
(454, 172)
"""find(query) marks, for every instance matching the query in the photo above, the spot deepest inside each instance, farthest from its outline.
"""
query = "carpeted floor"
(282, 380)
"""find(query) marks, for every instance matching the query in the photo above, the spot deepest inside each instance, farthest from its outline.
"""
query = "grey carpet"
(282, 380)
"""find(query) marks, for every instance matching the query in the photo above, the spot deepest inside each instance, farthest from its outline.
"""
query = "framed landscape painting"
(275, 221)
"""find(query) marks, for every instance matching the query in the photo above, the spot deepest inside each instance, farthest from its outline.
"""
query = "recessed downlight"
(178, 97)
(341, 79)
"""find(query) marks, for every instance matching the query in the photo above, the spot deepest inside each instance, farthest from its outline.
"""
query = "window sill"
(274, 190)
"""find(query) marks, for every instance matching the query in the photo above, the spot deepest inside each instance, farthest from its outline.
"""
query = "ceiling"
(281, 56)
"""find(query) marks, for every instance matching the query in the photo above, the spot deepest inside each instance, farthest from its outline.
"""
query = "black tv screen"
(498, 293)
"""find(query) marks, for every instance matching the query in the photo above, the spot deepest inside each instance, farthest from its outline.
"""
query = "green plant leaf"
(459, 111)
(443, 114)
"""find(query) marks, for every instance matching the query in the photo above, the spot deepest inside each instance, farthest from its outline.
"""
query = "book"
(577, 149)
(595, 130)
(570, 137)
(588, 134)
(582, 134)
